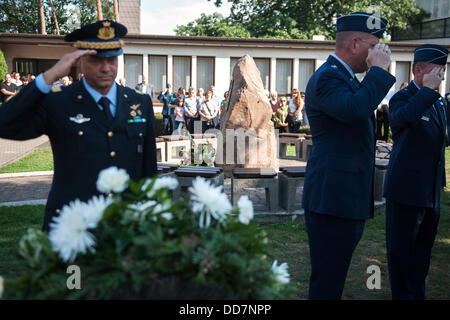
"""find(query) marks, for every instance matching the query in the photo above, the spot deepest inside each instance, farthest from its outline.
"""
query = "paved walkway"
(12, 150)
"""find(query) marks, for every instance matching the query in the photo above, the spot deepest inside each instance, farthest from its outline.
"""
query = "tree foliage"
(22, 16)
(3, 67)
(214, 25)
(297, 19)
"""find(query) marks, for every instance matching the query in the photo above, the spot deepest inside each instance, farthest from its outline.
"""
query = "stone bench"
(186, 175)
(165, 169)
(307, 145)
(289, 179)
(379, 175)
(255, 178)
(180, 143)
(160, 150)
(286, 139)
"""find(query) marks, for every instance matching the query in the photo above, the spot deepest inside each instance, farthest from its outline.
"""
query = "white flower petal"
(245, 209)
(281, 272)
(209, 199)
(69, 233)
(160, 183)
(112, 179)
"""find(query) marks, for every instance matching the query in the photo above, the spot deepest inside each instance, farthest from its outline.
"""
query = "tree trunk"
(54, 17)
(116, 10)
(99, 10)
(42, 16)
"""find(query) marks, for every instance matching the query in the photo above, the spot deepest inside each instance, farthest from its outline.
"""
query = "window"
(24, 66)
(205, 72)
(157, 70)
(133, 69)
(402, 73)
(305, 71)
(181, 72)
(264, 69)
(284, 76)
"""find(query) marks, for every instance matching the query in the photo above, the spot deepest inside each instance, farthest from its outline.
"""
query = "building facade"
(202, 61)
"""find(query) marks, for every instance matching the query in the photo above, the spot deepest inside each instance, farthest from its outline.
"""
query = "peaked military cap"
(363, 22)
(431, 53)
(103, 36)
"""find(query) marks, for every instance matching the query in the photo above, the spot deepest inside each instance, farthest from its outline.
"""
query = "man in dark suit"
(416, 173)
(92, 124)
(338, 188)
(145, 87)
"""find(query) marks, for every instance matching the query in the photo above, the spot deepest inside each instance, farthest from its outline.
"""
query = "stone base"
(287, 191)
(270, 185)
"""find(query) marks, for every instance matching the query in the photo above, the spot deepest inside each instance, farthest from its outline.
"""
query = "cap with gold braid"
(103, 36)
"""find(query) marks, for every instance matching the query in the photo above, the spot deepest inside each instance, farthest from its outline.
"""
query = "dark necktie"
(104, 102)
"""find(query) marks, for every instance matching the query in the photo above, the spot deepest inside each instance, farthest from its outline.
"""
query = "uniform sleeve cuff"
(41, 85)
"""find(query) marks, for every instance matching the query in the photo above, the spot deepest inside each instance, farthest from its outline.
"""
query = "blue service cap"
(102, 36)
(431, 53)
(363, 22)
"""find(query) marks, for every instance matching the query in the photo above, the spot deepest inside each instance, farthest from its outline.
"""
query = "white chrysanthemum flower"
(160, 183)
(281, 272)
(209, 200)
(167, 215)
(245, 209)
(1, 286)
(112, 179)
(94, 210)
(161, 207)
(142, 206)
(69, 233)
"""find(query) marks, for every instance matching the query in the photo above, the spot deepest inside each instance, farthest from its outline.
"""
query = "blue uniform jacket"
(83, 140)
(416, 170)
(166, 99)
(340, 110)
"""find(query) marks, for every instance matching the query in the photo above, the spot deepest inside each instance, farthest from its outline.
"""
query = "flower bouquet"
(140, 244)
(200, 155)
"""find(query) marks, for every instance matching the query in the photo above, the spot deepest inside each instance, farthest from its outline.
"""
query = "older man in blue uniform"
(338, 188)
(416, 173)
(92, 124)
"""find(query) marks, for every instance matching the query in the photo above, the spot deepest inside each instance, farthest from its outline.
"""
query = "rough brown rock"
(247, 116)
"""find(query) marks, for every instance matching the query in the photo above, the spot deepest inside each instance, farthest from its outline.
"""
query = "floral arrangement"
(140, 244)
(200, 155)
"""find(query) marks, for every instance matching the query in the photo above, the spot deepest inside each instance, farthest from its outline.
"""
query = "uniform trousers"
(332, 241)
(410, 234)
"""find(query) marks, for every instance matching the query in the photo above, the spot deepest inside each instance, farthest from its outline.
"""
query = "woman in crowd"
(274, 103)
(281, 116)
(222, 105)
(191, 106)
(181, 93)
(208, 111)
(296, 107)
(201, 94)
(179, 115)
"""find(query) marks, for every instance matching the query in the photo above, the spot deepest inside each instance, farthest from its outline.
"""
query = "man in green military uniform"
(92, 124)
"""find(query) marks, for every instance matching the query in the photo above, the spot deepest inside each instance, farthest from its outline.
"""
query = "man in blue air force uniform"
(92, 124)
(416, 173)
(338, 188)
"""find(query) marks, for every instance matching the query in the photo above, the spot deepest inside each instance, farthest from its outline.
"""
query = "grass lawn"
(38, 160)
(289, 243)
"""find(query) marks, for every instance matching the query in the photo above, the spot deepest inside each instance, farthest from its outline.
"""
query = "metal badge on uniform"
(136, 114)
(425, 118)
(334, 66)
(79, 119)
(139, 148)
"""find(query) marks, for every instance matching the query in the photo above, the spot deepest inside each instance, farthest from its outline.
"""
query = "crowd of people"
(14, 82)
(182, 110)
(288, 116)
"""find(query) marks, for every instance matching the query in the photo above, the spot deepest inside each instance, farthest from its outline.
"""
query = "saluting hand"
(433, 78)
(379, 56)
(63, 66)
